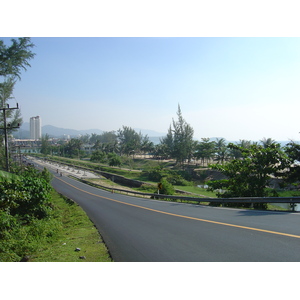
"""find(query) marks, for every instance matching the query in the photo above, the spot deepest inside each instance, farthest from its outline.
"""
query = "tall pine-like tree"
(179, 140)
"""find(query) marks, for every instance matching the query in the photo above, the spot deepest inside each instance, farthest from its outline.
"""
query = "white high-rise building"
(35, 128)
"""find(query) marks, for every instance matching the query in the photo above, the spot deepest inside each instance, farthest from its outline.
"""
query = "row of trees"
(178, 144)
(125, 141)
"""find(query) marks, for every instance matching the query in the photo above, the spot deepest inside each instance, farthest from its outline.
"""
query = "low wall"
(121, 179)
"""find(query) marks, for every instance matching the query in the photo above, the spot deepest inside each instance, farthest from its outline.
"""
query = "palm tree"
(266, 143)
(221, 150)
(205, 150)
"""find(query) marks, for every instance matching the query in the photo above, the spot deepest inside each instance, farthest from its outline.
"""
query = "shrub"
(98, 156)
(114, 160)
(148, 188)
(167, 187)
(25, 213)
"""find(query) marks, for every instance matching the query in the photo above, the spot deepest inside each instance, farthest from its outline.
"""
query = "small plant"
(167, 187)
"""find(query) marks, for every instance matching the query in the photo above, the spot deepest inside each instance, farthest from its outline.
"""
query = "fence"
(290, 200)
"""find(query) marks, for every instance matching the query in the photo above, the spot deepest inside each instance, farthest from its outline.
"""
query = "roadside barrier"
(290, 200)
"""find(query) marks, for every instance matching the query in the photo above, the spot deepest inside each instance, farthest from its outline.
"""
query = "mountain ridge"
(58, 132)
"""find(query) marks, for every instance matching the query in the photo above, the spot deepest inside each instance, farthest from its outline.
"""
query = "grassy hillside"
(75, 231)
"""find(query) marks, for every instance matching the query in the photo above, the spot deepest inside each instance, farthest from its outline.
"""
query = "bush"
(154, 173)
(148, 188)
(114, 160)
(167, 187)
(25, 213)
(98, 156)
(177, 179)
(28, 197)
(173, 177)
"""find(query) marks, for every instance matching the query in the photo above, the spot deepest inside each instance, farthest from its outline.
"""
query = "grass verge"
(76, 231)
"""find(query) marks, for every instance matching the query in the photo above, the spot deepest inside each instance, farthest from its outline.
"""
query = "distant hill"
(52, 131)
(60, 132)
(57, 132)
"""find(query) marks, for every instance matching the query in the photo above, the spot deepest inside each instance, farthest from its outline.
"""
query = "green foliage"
(98, 156)
(166, 148)
(151, 189)
(25, 213)
(46, 175)
(173, 177)
(107, 138)
(292, 150)
(114, 160)
(176, 179)
(46, 147)
(179, 142)
(205, 150)
(130, 140)
(250, 175)
(154, 173)
(15, 57)
(19, 239)
(7, 176)
(73, 148)
(27, 197)
(167, 187)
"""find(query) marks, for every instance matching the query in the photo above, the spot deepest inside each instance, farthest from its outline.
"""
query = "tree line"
(178, 144)
(247, 165)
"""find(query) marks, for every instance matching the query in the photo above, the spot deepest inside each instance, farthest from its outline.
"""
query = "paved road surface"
(136, 229)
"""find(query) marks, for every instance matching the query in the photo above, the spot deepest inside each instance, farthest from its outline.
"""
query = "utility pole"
(5, 127)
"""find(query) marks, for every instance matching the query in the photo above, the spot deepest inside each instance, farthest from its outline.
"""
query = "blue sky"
(235, 88)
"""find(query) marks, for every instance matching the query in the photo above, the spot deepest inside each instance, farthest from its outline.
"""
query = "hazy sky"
(235, 88)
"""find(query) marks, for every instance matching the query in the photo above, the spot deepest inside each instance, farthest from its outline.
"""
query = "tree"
(85, 138)
(267, 142)
(292, 150)
(235, 153)
(108, 137)
(12, 60)
(73, 147)
(249, 176)
(114, 160)
(182, 139)
(161, 151)
(167, 143)
(98, 156)
(97, 145)
(46, 148)
(130, 140)
(205, 150)
(221, 150)
(146, 145)
(15, 57)
(13, 117)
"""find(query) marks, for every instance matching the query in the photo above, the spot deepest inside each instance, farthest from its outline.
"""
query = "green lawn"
(76, 231)
(196, 190)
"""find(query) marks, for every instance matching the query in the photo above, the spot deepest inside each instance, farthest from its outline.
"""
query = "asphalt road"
(143, 230)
